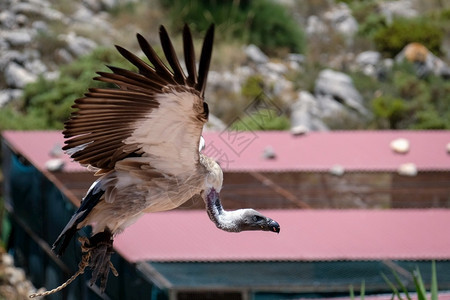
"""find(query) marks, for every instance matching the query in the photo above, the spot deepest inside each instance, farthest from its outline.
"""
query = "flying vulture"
(143, 138)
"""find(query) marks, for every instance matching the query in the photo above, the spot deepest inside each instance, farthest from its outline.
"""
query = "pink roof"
(315, 151)
(305, 235)
(320, 151)
(36, 146)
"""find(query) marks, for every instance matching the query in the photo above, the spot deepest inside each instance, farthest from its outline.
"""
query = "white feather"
(169, 135)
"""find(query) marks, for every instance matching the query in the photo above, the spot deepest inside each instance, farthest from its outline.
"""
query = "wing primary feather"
(171, 56)
(205, 59)
(159, 66)
(189, 56)
(139, 63)
(106, 117)
(154, 81)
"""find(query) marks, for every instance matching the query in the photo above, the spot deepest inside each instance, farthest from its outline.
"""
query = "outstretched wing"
(156, 112)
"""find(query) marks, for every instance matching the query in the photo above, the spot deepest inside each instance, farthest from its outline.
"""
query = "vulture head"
(235, 220)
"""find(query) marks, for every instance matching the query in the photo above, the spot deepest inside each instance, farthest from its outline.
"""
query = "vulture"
(142, 136)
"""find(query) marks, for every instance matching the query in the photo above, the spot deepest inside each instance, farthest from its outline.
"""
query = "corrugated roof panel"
(305, 235)
(321, 151)
(315, 151)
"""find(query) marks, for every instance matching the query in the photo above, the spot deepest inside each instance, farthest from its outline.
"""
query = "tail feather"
(89, 202)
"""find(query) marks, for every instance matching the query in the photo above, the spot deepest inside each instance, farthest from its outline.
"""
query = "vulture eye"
(257, 218)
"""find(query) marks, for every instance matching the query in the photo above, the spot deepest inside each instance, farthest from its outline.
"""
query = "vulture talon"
(98, 250)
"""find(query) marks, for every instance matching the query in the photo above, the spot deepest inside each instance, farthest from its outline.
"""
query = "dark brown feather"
(171, 56)
(205, 60)
(189, 57)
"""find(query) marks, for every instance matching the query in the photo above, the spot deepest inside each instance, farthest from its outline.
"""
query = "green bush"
(403, 101)
(264, 23)
(388, 111)
(252, 87)
(263, 119)
(392, 39)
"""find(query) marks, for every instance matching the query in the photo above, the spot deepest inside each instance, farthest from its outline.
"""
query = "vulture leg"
(99, 249)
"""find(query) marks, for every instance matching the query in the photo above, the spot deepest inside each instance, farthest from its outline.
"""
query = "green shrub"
(252, 87)
(263, 119)
(388, 111)
(264, 23)
(392, 39)
(271, 27)
(404, 101)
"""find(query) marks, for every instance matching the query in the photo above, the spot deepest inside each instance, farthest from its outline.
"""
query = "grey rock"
(368, 58)
(295, 57)
(40, 8)
(278, 68)
(399, 8)
(255, 54)
(21, 20)
(14, 275)
(8, 95)
(85, 14)
(11, 56)
(17, 76)
(40, 26)
(64, 55)
(35, 66)
(225, 81)
(368, 62)
(315, 26)
(4, 46)
(78, 45)
(305, 114)
(332, 86)
(7, 19)
(19, 37)
(341, 19)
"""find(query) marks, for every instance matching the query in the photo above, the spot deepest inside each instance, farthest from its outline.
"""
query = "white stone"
(276, 67)
(79, 45)
(407, 169)
(255, 54)
(368, 58)
(315, 26)
(17, 37)
(8, 95)
(7, 259)
(54, 164)
(400, 145)
(339, 87)
(14, 275)
(17, 76)
(269, 153)
(337, 170)
(342, 20)
(399, 8)
(299, 130)
(305, 113)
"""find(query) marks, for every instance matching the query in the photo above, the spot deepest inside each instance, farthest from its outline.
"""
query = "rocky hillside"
(343, 80)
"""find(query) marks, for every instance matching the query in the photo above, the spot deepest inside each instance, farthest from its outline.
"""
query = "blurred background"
(317, 106)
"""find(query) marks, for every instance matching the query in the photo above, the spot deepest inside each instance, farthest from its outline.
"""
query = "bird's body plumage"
(143, 138)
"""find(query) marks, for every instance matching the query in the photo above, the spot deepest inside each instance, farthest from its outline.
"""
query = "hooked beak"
(273, 226)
